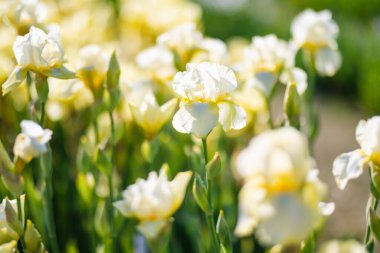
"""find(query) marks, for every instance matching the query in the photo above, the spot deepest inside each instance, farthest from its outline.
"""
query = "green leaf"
(14, 183)
(200, 194)
(308, 245)
(102, 227)
(375, 224)
(223, 232)
(4, 158)
(103, 163)
(113, 72)
(214, 166)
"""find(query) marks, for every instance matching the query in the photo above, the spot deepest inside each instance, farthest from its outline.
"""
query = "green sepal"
(223, 232)
(214, 167)
(12, 219)
(200, 194)
(374, 224)
(32, 239)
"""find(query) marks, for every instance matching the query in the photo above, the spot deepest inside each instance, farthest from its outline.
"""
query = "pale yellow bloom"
(32, 141)
(150, 116)
(350, 165)
(204, 89)
(317, 32)
(281, 196)
(40, 53)
(154, 200)
(92, 66)
(22, 14)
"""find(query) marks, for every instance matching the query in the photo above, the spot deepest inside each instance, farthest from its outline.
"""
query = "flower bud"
(292, 105)
(214, 166)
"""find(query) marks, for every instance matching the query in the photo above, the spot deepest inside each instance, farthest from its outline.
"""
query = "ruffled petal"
(196, 118)
(348, 166)
(327, 61)
(231, 116)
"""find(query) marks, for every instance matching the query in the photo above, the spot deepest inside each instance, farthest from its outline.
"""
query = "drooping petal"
(179, 186)
(61, 73)
(15, 79)
(296, 75)
(196, 118)
(348, 166)
(123, 207)
(263, 81)
(168, 108)
(231, 116)
(291, 223)
(327, 61)
(151, 229)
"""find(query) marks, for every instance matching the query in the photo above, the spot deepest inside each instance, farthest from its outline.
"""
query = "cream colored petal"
(151, 229)
(326, 209)
(31, 128)
(327, 61)
(291, 222)
(348, 166)
(196, 118)
(123, 207)
(263, 81)
(231, 116)
(179, 186)
(14, 80)
(167, 109)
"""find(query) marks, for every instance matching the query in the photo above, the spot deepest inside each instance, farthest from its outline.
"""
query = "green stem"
(110, 182)
(310, 114)
(48, 193)
(19, 211)
(209, 216)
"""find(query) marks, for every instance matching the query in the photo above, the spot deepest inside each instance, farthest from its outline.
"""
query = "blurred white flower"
(32, 141)
(317, 32)
(212, 50)
(348, 246)
(281, 196)
(92, 66)
(154, 200)
(150, 116)
(351, 165)
(65, 96)
(268, 60)
(277, 155)
(181, 38)
(205, 89)
(38, 52)
(159, 60)
(22, 14)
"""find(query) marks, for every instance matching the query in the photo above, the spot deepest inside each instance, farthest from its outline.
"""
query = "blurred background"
(352, 94)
